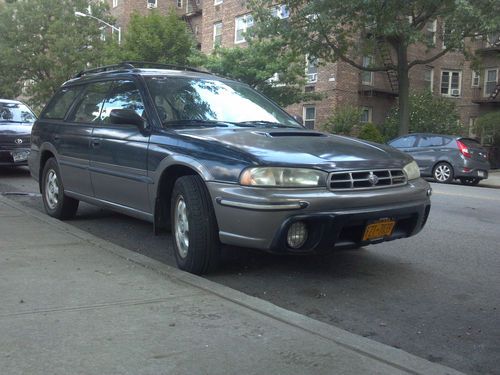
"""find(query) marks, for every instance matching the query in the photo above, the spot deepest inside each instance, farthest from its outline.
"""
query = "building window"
(309, 117)
(281, 11)
(429, 78)
(311, 69)
(367, 77)
(430, 33)
(152, 4)
(115, 3)
(451, 83)
(217, 34)
(179, 3)
(218, 2)
(493, 39)
(366, 114)
(490, 81)
(475, 78)
(243, 23)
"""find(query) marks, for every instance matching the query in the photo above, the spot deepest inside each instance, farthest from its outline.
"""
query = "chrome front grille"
(366, 179)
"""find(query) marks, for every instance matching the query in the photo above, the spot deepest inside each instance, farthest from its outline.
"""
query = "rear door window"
(60, 103)
(404, 142)
(88, 109)
(431, 141)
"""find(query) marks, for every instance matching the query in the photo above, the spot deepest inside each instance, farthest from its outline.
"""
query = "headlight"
(412, 170)
(283, 177)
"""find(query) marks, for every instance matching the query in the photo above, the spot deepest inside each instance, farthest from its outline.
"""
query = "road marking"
(434, 192)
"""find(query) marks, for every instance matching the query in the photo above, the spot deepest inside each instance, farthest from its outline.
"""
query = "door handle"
(95, 143)
(56, 138)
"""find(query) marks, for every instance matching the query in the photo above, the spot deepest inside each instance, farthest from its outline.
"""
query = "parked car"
(218, 163)
(16, 120)
(446, 157)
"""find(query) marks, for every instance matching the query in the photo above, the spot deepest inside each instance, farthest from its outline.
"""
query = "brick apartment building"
(224, 21)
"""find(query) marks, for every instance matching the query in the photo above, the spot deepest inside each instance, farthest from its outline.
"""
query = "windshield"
(193, 101)
(15, 112)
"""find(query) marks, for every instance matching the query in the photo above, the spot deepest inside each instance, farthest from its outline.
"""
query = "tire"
(195, 234)
(55, 202)
(470, 181)
(443, 173)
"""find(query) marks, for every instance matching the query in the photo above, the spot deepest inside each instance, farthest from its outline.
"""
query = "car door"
(427, 151)
(118, 161)
(73, 138)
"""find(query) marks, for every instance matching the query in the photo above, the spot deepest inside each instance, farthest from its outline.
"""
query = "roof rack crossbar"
(137, 65)
(153, 65)
(123, 65)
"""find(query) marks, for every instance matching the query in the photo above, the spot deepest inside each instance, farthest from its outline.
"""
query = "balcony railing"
(481, 97)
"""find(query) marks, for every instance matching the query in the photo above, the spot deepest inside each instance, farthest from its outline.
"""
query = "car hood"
(15, 128)
(302, 147)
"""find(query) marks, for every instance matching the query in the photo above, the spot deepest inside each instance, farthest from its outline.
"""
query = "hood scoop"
(291, 134)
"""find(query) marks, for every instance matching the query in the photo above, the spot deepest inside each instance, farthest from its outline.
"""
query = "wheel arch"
(45, 154)
(166, 183)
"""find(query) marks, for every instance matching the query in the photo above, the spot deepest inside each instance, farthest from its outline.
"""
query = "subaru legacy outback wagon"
(217, 163)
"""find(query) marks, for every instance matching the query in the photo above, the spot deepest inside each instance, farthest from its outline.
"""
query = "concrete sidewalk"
(75, 304)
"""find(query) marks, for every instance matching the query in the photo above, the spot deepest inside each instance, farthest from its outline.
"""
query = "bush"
(370, 132)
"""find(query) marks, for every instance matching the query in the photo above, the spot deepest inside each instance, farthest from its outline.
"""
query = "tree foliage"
(339, 30)
(428, 114)
(343, 120)
(43, 44)
(156, 38)
(268, 66)
(488, 126)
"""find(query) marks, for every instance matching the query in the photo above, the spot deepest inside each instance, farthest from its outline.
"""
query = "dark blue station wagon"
(217, 163)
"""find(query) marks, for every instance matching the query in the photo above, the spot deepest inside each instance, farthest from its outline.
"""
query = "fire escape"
(385, 55)
(193, 8)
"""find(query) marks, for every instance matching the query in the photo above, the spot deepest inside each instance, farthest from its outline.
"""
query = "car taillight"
(463, 149)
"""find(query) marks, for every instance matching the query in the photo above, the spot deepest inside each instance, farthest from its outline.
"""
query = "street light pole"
(118, 29)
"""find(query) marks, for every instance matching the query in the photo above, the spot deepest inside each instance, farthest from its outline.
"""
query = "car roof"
(430, 135)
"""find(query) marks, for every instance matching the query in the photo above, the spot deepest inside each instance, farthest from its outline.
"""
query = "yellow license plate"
(379, 229)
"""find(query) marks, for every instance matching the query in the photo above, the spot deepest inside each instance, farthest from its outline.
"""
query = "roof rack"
(127, 65)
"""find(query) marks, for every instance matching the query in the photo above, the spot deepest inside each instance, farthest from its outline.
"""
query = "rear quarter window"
(60, 103)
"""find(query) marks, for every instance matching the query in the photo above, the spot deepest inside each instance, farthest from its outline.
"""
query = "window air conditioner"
(455, 92)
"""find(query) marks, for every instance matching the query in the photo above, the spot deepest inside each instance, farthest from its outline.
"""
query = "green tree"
(268, 66)
(43, 44)
(427, 114)
(488, 126)
(156, 38)
(340, 30)
(343, 120)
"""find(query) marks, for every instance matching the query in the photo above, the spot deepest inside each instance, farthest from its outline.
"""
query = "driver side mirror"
(299, 119)
(126, 117)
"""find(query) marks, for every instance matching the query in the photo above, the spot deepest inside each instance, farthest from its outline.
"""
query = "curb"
(396, 358)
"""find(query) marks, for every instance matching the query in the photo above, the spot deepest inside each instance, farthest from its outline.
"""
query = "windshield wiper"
(197, 122)
(264, 123)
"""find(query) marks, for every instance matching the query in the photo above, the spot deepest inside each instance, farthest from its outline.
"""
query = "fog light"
(297, 235)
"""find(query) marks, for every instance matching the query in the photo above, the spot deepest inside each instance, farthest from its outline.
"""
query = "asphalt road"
(435, 295)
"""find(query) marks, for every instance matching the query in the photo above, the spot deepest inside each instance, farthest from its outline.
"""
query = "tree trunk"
(404, 89)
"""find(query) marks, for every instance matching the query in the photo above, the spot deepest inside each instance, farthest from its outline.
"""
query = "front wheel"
(470, 181)
(443, 173)
(56, 203)
(195, 233)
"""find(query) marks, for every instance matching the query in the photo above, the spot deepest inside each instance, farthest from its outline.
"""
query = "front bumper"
(14, 157)
(260, 217)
